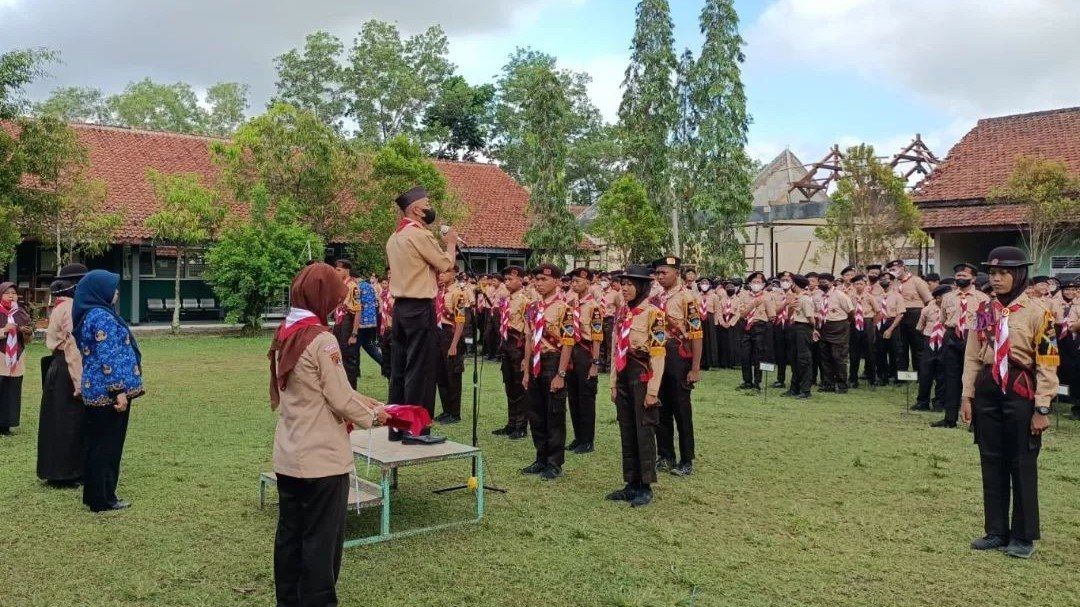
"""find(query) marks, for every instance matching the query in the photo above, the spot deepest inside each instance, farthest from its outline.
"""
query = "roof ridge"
(138, 131)
(1064, 110)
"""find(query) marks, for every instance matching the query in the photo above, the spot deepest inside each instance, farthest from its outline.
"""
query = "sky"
(817, 72)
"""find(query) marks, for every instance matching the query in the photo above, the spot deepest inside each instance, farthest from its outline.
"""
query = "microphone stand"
(476, 333)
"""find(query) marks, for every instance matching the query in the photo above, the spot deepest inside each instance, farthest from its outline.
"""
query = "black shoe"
(518, 434)
(790, 393)
(533, 468)
(502, 431)
(664, 464)
(439, 418)
(854, 385)
(683, 469)
(803, 396)
(1021, 549)
(642, 497)
(755, 388)
(841, 389)
(450, 419)
(5, 432)
(551, 473)
(423, 439)
(990, 542)
(744, 386)
(625, 494)
(583, 448)
(573, 445)
(827, 389)
(117, 505)
(778, 384)
(395, 435)
(872, 383)
(920, 407)
(943, 424)
(936, 408)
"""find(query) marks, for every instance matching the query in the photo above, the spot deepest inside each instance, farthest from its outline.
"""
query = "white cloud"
(965, 57)
(607, 73)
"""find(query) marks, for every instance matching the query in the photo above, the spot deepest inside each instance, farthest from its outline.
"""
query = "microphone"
(445, 228)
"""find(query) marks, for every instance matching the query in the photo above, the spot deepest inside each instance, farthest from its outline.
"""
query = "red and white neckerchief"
(11, 349)
(782, 316)
(296, 319)
(1065, 323)
(622, 342)
(824, 310)
(577, 316)
(884, 308)
(1001, 343)
(440, 307)
(749, 318)
(729, 310)
(386, 308)
(962, 322)
(539, 326)
(937, 335)
(860, 322)
(504, 317)
(406, 222)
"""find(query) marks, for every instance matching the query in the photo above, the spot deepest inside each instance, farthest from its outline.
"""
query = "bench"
(362, 493)
(188, 307)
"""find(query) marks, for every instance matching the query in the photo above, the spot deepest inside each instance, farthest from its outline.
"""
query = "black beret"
(942, 290)
(514, 271)
(671, 261)
(800, 281)
(896, 262)
(811, 274)
(1037, 279)
(410, 197)
(858, 277)
(547, 269)
(873, 266)
(933, 276)
(962, 265)
(826, 277)
(585, 273)
(755, 274)
(847, 269)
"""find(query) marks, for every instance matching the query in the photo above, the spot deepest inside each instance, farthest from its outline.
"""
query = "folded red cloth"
(408, 418)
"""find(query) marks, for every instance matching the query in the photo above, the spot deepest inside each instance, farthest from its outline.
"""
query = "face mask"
(785, 285)
(730, 290)
(885, 284)
(824, 287)
(705, 288)
(757, 287)
(1053, 289)
(429, 216)
(895, 272)
(873, 278)
(604, 284)
(963, 283)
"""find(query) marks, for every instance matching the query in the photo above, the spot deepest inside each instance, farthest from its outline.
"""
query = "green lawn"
(842, 500)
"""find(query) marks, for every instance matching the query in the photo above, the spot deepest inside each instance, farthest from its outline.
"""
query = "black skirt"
(10, 401)
(61, 445)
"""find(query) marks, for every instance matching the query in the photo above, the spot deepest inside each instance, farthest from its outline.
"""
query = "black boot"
(642, 497)
(625, 494)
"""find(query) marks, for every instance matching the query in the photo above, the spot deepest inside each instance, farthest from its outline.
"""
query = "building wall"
(793, 247)
(973, 247)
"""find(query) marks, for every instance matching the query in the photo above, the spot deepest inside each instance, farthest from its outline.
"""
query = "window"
(194, 263)
(146, 262)
(48, 261)
(1064, 263)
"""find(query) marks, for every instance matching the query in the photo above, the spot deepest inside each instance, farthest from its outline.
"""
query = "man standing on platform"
(585, 360)
(682, 368)
(549, 342)
(415, 259)
(959, 315)
(907, 343)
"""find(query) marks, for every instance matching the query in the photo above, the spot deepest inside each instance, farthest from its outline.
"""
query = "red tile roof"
(986, 156)
(980, 217)
(121, 157)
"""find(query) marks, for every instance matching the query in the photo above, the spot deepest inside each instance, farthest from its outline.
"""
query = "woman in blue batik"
(111, 379)
(369, 321)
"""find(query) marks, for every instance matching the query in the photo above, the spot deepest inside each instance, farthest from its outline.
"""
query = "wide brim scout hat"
(637, 272)
(72, 271)
(1006, 257)
(548, 269)
(671, 262)
(941, 291)
(514, 271)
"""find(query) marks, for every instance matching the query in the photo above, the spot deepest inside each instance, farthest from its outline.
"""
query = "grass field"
(840, 500)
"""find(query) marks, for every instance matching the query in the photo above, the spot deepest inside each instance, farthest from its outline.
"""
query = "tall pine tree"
(722, 201)
(648, 111)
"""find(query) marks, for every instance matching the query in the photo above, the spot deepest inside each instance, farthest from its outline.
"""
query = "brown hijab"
(319, 290)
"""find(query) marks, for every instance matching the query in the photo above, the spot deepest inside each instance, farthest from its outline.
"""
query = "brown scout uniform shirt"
(683, 314)
(763, 313)
(58, 337)
(914, 290)
(559, 329)
(929, 317)
(519, 302)
(590, 320)
(802, 309)
(870, 307)
(1027, 328)
(840, 305)
(613, 300)
(415, 257)
(455, 301)
(647, 338)
(310, 440)
(950, 306)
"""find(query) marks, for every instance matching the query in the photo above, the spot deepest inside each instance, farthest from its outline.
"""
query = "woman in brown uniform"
(1010, 377)
(638, 352)
(312, 454)
(16, 330)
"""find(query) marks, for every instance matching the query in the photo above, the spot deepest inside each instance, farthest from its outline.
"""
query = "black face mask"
(429, 216)
(730, 290)
(824, 287)
(963, 283)
(873, 278)
(885, 284)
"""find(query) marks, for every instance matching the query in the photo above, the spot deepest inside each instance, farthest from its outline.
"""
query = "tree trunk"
(176, 292)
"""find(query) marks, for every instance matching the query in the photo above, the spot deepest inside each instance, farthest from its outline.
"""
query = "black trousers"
(384, 346)
(802, 365)
(414, 346)
(780, 352)
(932, 377)
(605, 346)
(675, 407)
(350, 355)
(10, 401)
(310, 535)
(581, 392)
(862, 346)
(106, 429)
(547, 413)
(1008, 454)
(369, 341)
(450, 370)
(1069, 371)
(816, 371)
(908, 348)
(708, 342)
(637, 424)
(834, 353)
(755, 349)
(726, 357)
(517, 401)
(735, 337)
(884, 355)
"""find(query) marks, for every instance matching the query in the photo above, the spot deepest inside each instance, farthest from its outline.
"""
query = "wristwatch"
(1042, 410)
(597, 362)
(562, 374)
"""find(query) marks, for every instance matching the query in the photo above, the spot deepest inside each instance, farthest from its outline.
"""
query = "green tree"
(717, 106)
(228, 102)
(11, 162)
(627, 221)
(459, 121)
(294, 156)
(189, 216)
(647, 114)
(871, 217)
(76, 104)
(254, 261)
(17, 69)
(390, 82)
(157, 107)
(312, 79)
(594, 163)
(1050, 197)
(61, 206)
(394, 168)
